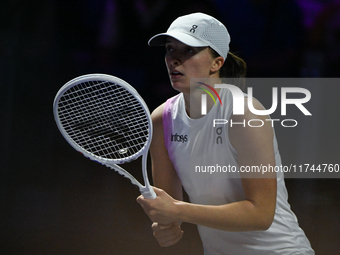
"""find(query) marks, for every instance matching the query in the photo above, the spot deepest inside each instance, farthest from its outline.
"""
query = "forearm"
(238, 216)
(255, 212)
(246, 215)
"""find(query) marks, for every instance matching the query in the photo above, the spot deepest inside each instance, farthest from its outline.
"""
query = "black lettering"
(219, 132)
(179, 138)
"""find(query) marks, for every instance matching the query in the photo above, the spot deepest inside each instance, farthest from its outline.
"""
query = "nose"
(173, 59)
(175, 62)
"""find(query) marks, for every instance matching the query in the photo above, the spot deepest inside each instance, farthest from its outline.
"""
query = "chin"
(180, 87)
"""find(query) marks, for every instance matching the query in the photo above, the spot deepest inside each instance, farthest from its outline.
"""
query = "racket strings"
(105, 119)
(107, 131)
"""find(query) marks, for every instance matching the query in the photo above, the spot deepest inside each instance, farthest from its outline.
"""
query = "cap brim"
(160, 39)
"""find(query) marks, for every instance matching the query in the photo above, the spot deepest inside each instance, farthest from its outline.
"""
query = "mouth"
(175, 74)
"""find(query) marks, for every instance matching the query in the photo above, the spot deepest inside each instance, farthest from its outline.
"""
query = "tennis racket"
(105, 119)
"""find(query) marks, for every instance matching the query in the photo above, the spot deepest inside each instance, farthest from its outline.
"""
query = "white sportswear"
(194, 146)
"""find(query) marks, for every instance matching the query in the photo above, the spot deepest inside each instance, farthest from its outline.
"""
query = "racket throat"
(147, 191)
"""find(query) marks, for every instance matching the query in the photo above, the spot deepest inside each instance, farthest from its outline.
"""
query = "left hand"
(167, 234)
(162, 209)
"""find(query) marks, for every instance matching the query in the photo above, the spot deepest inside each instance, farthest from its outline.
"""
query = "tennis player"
(234, 215)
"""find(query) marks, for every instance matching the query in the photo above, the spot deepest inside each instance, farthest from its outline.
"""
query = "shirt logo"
(219, 132)
(179, 138)
(193, 29)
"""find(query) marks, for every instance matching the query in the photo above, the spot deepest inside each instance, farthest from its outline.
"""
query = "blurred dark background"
(54, 201)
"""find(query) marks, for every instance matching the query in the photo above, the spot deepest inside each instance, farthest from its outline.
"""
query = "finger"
(158, 191)
(168, 239)
(158, 226)
(167, 233)
(176, 223)
(167, 243)
(140, 199)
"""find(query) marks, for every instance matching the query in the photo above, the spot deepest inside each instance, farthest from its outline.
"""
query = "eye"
(168, 48)
(188, 50)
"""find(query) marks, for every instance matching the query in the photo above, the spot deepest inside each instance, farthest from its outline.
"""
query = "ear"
(217, 64)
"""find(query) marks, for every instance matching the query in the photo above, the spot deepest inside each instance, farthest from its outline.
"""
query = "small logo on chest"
(219, 132)
(179, 138)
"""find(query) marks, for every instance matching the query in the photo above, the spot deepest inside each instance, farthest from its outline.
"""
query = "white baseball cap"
(197, 30)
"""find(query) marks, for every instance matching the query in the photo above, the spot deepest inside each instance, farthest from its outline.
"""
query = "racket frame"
(146, 189)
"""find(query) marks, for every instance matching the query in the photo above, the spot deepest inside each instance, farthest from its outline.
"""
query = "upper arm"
(254, 146)
(163, 172)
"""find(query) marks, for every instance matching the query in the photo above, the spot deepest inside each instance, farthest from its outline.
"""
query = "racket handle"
(149, 193)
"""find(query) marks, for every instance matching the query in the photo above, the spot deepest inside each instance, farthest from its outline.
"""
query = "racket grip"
(149, 193)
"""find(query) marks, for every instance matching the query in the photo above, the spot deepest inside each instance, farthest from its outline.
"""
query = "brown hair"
(233, 67)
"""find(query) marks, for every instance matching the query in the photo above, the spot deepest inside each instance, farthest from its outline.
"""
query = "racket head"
(104, 118)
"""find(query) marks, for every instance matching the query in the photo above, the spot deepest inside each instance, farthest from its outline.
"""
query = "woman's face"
(184, 62)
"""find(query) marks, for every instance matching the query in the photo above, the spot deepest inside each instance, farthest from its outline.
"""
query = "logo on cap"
(193, 29)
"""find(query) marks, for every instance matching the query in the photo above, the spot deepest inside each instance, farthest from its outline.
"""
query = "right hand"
(167, 234)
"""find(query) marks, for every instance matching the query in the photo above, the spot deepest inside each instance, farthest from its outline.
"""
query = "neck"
(193, 100)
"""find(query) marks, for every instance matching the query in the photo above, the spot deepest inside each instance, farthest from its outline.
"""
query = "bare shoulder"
(157, 119)
(157, 114)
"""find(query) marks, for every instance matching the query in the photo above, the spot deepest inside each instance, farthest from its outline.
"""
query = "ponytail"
(233, 68)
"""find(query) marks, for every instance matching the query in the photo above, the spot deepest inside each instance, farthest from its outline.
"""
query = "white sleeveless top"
(201, 155)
